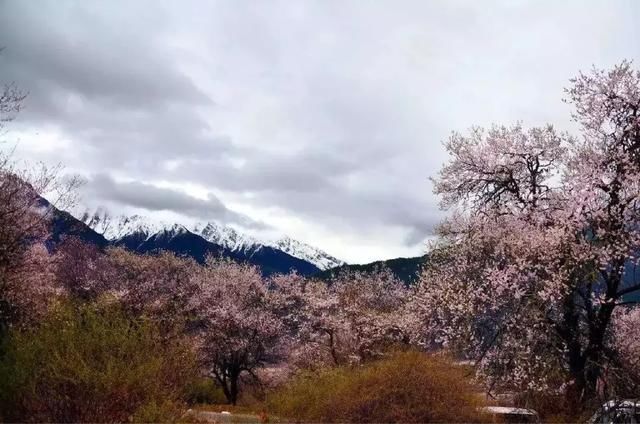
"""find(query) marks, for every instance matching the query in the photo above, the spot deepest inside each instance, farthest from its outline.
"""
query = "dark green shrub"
(406, 387)
(92, 363)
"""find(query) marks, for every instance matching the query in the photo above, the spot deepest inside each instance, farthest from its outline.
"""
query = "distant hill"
(406, 269)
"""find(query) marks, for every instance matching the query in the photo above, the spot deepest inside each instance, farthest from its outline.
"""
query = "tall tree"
(543, 241)
(239, 332)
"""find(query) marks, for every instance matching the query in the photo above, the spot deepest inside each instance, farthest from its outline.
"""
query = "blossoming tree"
(350, 319)
(24, 222)
(542, 244)
(238, 330)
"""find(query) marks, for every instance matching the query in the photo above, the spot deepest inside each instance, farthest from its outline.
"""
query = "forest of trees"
(531, 280)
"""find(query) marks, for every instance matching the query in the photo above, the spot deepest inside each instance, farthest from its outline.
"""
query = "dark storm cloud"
(330, 112)
(152, 198)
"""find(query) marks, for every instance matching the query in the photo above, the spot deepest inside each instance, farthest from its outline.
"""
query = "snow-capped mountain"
(117, 229)
(232, 239)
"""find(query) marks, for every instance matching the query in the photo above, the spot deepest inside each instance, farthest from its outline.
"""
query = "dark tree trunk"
(570, 332)
(594, 355)
(228, 378)
(227, 393)
(332, 347)
(233, 388)
(587, 359)
(584, 330)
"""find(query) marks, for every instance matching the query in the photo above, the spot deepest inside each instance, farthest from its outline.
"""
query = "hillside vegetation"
(405, 269)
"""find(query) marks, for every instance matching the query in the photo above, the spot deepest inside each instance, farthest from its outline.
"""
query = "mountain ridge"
(142, 235)
(116, 228)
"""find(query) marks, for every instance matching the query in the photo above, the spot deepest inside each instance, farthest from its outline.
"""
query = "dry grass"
(406, 387)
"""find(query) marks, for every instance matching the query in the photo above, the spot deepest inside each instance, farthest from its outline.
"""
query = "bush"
(204, 390)
(92, 363)
(406, 387)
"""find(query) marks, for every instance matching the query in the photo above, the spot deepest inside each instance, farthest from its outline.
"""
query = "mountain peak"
(225, 236)
(302, 250)
(114, 228)
(232, 239)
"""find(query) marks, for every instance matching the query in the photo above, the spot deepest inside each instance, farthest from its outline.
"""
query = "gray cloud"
(88, 49)
(152, 198)
(91, 74)
(329, 112)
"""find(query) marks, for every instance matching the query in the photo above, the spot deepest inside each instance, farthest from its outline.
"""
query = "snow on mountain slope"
(119, 227)
(233, 240)
(225, 236)
(301, 250)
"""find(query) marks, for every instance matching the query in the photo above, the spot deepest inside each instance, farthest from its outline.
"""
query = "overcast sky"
(322, 120)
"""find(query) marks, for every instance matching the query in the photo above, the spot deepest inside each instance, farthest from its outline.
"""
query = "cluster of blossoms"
(350, 320)
(538, 254)
(25, 265)
(624, 370)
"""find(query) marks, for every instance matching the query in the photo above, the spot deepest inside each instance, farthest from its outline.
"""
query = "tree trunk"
(228, 379)
(569, 330)
(233, 387)
(332, 347)
(594, 355)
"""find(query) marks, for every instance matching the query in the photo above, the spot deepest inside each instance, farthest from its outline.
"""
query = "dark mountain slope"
(63, 224)
(186, 243)
(183, 242)
(406, 269)
(180, 242)
(274, 261)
